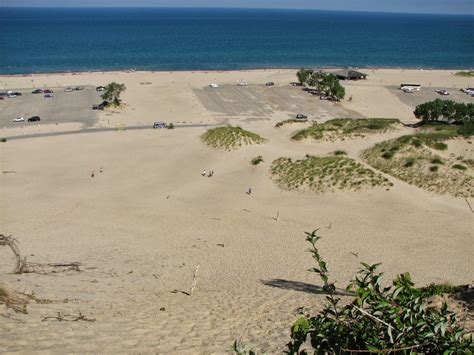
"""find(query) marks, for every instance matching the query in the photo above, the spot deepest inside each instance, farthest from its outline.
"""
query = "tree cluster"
(112, 93)
(325, 83)
(445, 111)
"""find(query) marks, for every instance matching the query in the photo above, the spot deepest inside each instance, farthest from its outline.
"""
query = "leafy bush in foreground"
(395, 318)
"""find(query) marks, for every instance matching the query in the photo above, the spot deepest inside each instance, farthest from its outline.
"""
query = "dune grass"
(291, 120)
(469, 73)
(412, 158)
(325, 174)
(230, 138)
(341, 128)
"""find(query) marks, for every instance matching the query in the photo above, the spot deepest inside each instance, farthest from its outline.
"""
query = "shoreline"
(256, 69)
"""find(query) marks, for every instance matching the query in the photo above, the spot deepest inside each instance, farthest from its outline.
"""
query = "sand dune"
(142, 225)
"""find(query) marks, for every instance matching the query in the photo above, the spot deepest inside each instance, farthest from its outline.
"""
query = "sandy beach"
(142, 225)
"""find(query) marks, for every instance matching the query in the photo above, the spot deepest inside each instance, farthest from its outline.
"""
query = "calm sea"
(50, 40)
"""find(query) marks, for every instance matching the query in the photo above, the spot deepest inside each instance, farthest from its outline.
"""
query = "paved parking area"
(259, 102)
(428, 94)
(64, 107)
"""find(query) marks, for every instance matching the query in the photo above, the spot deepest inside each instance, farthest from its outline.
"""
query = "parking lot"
(259, 102)
(428, 94)
(75, 106)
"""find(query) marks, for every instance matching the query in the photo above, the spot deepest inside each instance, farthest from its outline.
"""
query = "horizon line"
(234, 8)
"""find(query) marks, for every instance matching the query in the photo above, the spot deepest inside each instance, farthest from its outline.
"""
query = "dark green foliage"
(303, 75)
(439, 289)
(440, 146)
(378, 319)
(466, 128)
(436, 161)
(291, 120)
(388, 154)
(459, 167)
(112, 93)
(434, 168)
(170, 126)
(229, 137)
(3, 140)
(340, 152)
(409, 162)
(445, 110)
(257, 160)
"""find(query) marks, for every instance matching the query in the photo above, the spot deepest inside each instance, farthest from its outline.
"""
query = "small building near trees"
(349, 74)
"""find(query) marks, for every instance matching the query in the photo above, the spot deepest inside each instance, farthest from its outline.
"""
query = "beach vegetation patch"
(415, 164)
(325, 84)
(466, 73)
(112, 93)
(459, 167)
(3, 140)
(378, 318)
(342, 128)
(257, 160)
(230, 138)
(289, 121)
(325, 174)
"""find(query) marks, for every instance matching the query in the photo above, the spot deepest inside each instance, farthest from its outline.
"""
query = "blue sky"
(413, 6)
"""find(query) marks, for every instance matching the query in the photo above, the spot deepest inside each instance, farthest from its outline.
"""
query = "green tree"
(444, 110)
(112, 93)
(332, 87)
(303, 75)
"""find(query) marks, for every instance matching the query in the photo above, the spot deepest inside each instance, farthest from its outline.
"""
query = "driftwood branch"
(11, 242)
(193, 285)
(69, 317)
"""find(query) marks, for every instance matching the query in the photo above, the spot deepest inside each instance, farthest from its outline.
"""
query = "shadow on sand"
(302, 287)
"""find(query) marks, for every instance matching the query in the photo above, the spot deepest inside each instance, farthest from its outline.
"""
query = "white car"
(242, 83)
(214, 85)
(19, 119)
(69, 90)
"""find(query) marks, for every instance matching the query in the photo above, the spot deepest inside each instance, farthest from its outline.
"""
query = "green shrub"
(440, 146)
(388, 154)
(340, 152)
(468, 73)
(229, 138)
(3, 140)
(257, 160)
(459, 167)
(416, 143)
(391, 319)
(436, 161)
(170, 126)
(439, 289)
(434, 168)
(409, 162)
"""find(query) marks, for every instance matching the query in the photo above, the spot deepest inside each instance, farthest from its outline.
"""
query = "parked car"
(69, 89)
(242, 83)
(2, 98)
(213, 85)
(19, 119)
(100, 88)
(37, 91)
(300, 116)
(3, 93)
(48, 96)
(34, 119)
(78, 88)
(13, 93)
(442, 92)
(100, 106)
(270, 83)
(159, 125)
(48, 91)
(295, 83)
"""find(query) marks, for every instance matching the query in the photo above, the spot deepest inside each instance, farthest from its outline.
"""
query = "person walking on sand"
(92, 174)
(203, 173)
(249, 192)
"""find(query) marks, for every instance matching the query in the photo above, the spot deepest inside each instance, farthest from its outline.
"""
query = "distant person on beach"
(203, 173)
(92, 174)
(249, 192)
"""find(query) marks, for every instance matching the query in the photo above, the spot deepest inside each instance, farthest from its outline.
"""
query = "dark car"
(78, 88)
(100, 88)
(270, 83)
(159, 125)
(34, 119)
(295, 83)
(100, 106)
(48, 91)
(37, 91)
(300, 116)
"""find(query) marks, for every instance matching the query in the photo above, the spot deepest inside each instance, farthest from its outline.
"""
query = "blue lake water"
(51, 40)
